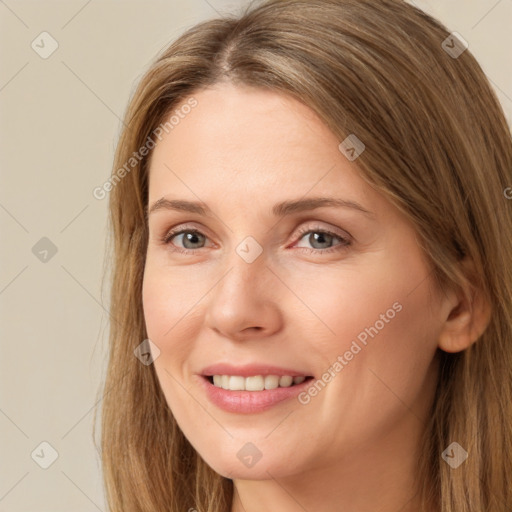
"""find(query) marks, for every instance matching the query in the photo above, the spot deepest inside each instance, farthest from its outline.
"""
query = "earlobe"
(467, 319)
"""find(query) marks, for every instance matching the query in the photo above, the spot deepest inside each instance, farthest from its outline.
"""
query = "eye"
(322, 240)
(191, 240)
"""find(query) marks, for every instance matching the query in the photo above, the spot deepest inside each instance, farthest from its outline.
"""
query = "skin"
(354, 446)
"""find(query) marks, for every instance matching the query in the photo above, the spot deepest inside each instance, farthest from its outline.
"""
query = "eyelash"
(343, 245)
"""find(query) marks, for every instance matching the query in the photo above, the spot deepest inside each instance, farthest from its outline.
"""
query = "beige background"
(59, 122)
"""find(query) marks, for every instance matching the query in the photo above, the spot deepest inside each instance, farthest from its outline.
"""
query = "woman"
(312, 272)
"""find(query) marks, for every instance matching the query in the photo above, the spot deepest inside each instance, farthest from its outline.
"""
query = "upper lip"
(249, 370)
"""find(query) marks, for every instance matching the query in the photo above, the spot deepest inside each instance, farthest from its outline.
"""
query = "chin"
(246, 466)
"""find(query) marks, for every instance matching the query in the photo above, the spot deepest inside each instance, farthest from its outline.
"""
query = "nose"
(245, 303)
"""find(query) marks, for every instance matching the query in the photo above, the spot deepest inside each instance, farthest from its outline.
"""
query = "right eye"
(190, 240)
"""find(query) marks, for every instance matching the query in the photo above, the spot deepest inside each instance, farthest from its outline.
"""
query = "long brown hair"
(437, 146)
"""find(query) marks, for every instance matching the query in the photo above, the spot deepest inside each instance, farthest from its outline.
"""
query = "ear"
(466, 313)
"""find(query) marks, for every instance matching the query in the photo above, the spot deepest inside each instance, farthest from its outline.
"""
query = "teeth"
(235, 383)
(271, 381)
(256, 382)
(285, 381)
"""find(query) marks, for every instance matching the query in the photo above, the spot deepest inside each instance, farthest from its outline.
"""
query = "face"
(271, 282)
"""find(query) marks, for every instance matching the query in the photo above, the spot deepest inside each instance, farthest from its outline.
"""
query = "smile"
(254, 383)
(249, 395)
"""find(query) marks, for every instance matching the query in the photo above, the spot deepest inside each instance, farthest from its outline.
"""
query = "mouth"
(251, 394)
(256, 382)
(251, 388)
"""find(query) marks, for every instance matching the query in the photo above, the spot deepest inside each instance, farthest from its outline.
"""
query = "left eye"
(188, 237)
(320, 239)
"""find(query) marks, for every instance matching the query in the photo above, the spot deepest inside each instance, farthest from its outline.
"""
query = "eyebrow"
(279, 210)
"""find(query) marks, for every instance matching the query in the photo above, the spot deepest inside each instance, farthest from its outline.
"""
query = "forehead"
(251, 142)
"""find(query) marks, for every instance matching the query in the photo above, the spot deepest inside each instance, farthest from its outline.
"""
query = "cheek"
(346, 301)
(386, 336)
(170, 302)
(168, 296)
(385, 297)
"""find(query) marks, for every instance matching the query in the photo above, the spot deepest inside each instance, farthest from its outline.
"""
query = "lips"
(250, 402)
(242, 401)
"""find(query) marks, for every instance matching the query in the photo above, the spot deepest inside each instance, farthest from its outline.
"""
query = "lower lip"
(247, 402)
